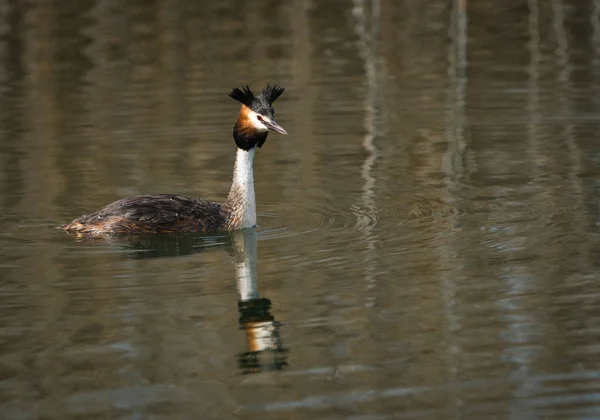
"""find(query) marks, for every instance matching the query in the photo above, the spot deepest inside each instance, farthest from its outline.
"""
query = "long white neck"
(240, 202)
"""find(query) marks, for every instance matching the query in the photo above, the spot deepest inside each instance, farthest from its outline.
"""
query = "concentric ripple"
(291, 220)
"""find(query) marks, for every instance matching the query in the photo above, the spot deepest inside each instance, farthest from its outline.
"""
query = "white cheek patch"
(256, 123)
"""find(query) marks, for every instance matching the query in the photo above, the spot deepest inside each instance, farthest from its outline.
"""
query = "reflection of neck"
(240, 205)
(245, 264)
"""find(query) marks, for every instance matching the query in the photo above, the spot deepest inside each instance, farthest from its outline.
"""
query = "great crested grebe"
(165, 213)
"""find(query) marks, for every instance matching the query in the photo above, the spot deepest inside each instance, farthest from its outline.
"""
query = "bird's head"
(257, 116)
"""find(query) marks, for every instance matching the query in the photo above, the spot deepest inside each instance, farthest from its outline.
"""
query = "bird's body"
(160, 213)
(167, 213)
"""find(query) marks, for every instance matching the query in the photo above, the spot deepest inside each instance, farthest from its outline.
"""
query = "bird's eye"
(259, 118)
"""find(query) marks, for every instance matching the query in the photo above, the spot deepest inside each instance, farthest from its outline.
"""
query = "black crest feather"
(243, 95)
(266, 97)
(272, 92)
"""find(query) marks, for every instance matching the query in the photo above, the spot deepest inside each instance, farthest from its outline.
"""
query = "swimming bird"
(165, 213)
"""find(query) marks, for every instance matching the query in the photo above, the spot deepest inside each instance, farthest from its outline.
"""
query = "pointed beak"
(272, 125)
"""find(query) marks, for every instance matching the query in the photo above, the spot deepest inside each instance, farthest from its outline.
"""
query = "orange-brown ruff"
(167, 213)
(243, 123)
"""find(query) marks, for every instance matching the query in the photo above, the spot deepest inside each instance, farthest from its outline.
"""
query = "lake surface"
(428, 242)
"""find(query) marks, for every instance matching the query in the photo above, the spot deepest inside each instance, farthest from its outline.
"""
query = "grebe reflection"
(265, 349)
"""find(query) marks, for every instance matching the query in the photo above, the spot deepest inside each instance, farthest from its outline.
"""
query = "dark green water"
(428, 242)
